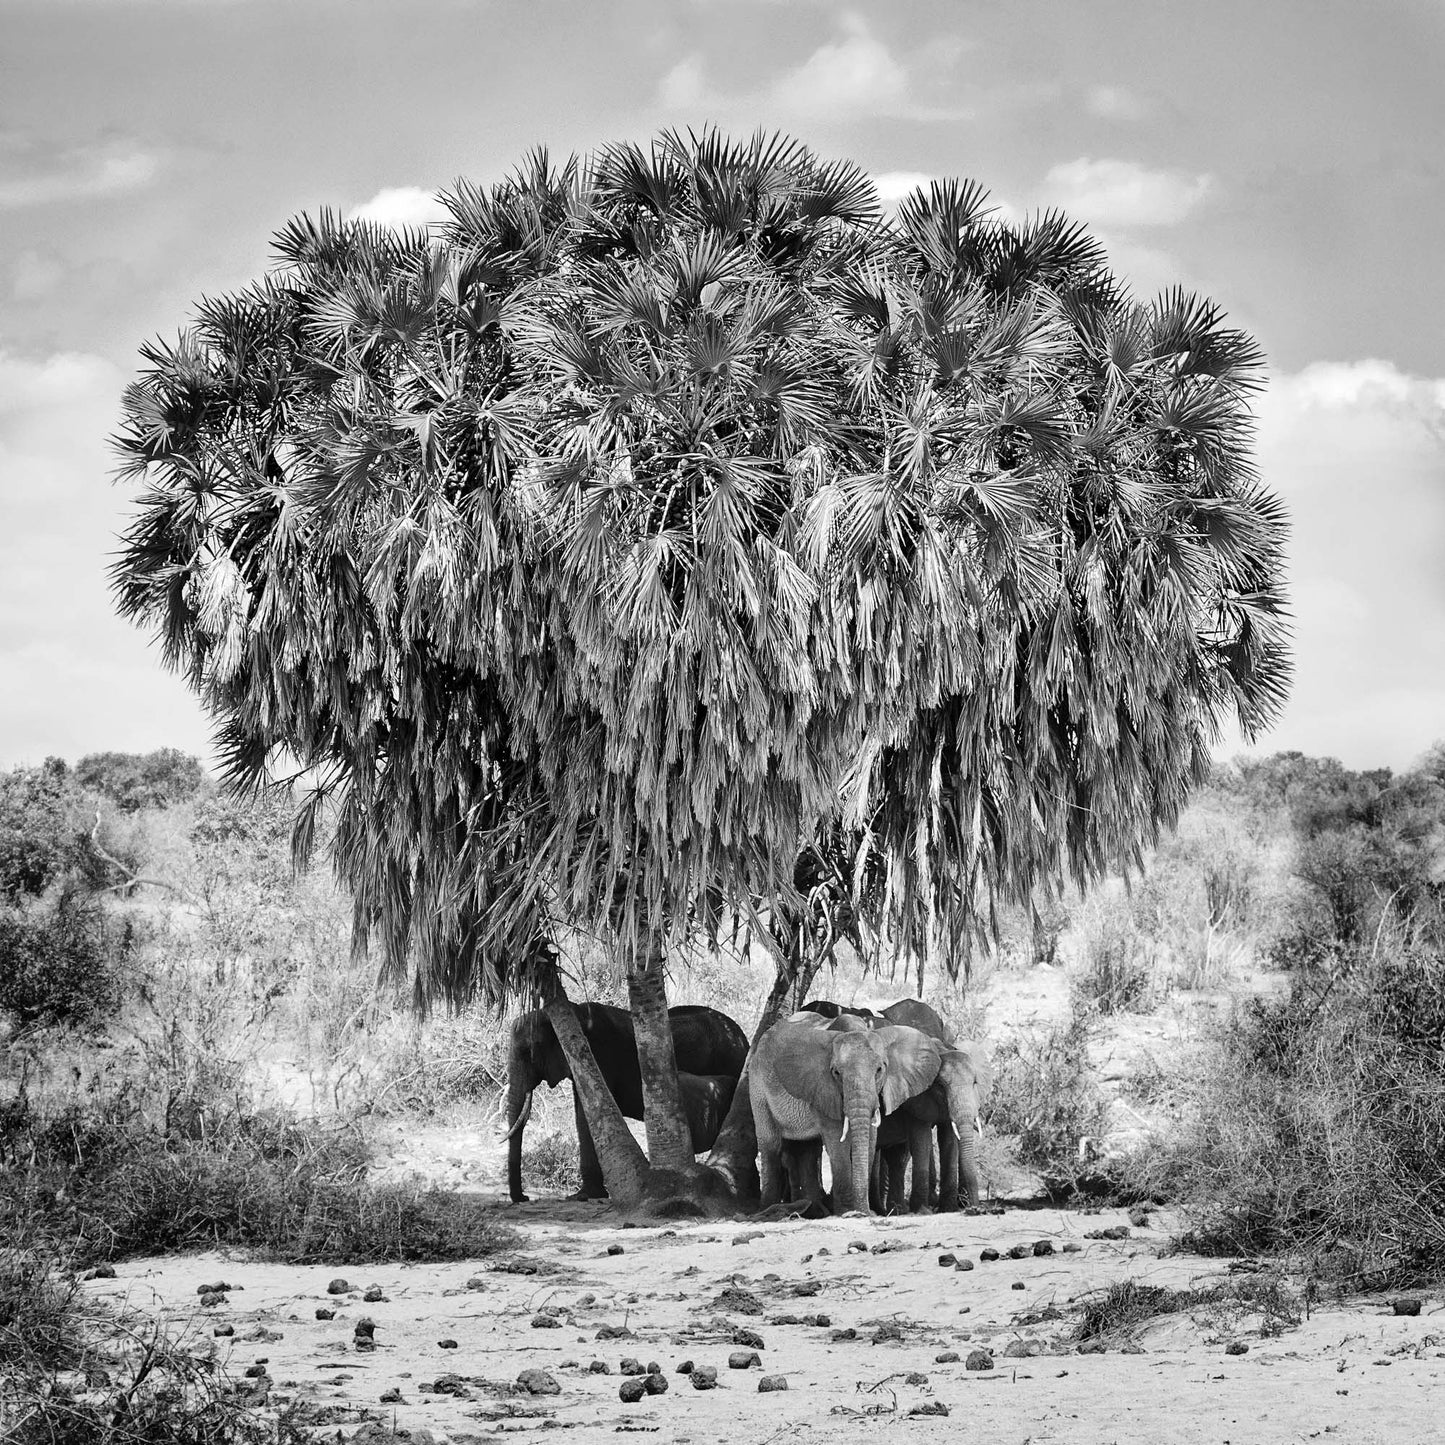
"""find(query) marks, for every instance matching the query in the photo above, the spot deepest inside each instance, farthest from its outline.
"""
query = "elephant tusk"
(521, 1119)
(877, 1117)
(953, 1124)
(978, 1126)
(844, 1134)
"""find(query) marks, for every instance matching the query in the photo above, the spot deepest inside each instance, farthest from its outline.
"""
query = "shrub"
(43, 822)
(60, 963)
(1116, 975)
(1319, 1126)
(295, 1192)
(142, 780)
(1044, 1094)
(552, 1162)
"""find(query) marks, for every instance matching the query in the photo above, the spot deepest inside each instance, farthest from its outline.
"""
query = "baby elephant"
(950, 1104)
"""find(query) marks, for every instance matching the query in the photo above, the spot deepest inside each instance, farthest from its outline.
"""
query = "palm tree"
(670, 519)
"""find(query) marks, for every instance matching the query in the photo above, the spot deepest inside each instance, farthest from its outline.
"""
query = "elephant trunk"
(968, 1160)
(520, 1084)
(860, 1117)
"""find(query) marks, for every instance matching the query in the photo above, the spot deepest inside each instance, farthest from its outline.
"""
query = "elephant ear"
(978, 1062)
(914, 1060)
(803, 1066)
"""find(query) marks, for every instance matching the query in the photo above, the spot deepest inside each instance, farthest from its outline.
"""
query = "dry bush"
(551, 1163)
(73, 1372)
(1318, 1127)
(1121, 1308)
(1115, 973)
(1044, 1094)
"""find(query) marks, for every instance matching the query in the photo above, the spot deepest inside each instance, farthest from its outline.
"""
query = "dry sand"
(1353, 1373)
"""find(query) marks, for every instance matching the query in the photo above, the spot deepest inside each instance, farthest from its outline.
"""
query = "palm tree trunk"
(669, 1140)
(624, 1169)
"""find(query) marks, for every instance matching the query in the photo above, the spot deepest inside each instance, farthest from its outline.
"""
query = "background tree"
(661, 517)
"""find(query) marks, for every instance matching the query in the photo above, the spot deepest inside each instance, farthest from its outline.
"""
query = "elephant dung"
(599, 1367)
(614, 1249)
(948, 1357)
(633, 1366)
(545, 1321)
(538, 1382)
(887, 1332)
(631, 1391)
(768, 1383)
(614, 1332)
(223, 1330)
(929, 1407)
(685, 1368)
(1405, 1306)
(704, 1377)
(978, 1360)
(1236, 1347)
(365, 1328)
(947, 1261)
(751, 1338)
(915, 1377)
(392, 1396)
(743, 1360)
(374, 1296)
(1043, 1247)
(1022, 1350)
(839, 1335)
(655, 1382)
(446, 1344)
(1020, 1251)
(964, 1264)
(988, 1255)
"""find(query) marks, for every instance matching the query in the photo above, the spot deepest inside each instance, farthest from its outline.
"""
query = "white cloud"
(1356, 450)
(1113, 102)
(685, 85)
(57, 380)
(33, 276)
(1123, 193)
(81, 174)
(853, 76)
(399, 206)
(894, 187)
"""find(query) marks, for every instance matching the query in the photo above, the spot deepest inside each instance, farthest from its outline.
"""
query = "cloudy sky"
(1285, 158)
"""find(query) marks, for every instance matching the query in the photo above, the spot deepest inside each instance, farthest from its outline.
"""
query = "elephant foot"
(584, 1194)
(923, 1209)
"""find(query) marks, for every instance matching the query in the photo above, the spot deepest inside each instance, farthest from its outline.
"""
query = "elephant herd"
(872, 1089)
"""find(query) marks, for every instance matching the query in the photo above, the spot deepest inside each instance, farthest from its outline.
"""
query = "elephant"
(950, 1104)
(710, 1049)
(811, 1078)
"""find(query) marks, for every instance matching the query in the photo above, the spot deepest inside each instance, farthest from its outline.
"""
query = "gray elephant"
(810, 1078)
(710, 1048)
(950, 1105)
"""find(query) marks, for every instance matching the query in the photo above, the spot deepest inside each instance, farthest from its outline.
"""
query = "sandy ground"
(1354, 1373)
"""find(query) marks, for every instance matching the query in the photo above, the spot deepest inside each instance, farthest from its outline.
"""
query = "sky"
(1283, 158)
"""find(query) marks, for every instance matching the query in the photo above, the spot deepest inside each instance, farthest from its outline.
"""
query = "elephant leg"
(947, 1168)
(920, 1143)
(591, 1186)
(771, 1179)
(895, 1172)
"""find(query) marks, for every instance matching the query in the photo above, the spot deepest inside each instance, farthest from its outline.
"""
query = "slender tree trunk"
(669, 1140)
(624, 1169)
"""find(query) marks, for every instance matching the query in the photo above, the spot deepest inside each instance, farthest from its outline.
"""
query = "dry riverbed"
(868, 1325)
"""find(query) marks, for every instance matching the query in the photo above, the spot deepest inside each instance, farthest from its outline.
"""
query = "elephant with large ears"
(711, 1050)
(950, 1104)
(814, 1079)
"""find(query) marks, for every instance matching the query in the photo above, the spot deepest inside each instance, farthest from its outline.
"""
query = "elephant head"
(964, 1078)
(815, 1078)
(535, 1057)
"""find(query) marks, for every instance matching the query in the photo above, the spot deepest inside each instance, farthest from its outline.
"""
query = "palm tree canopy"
(664, 515)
